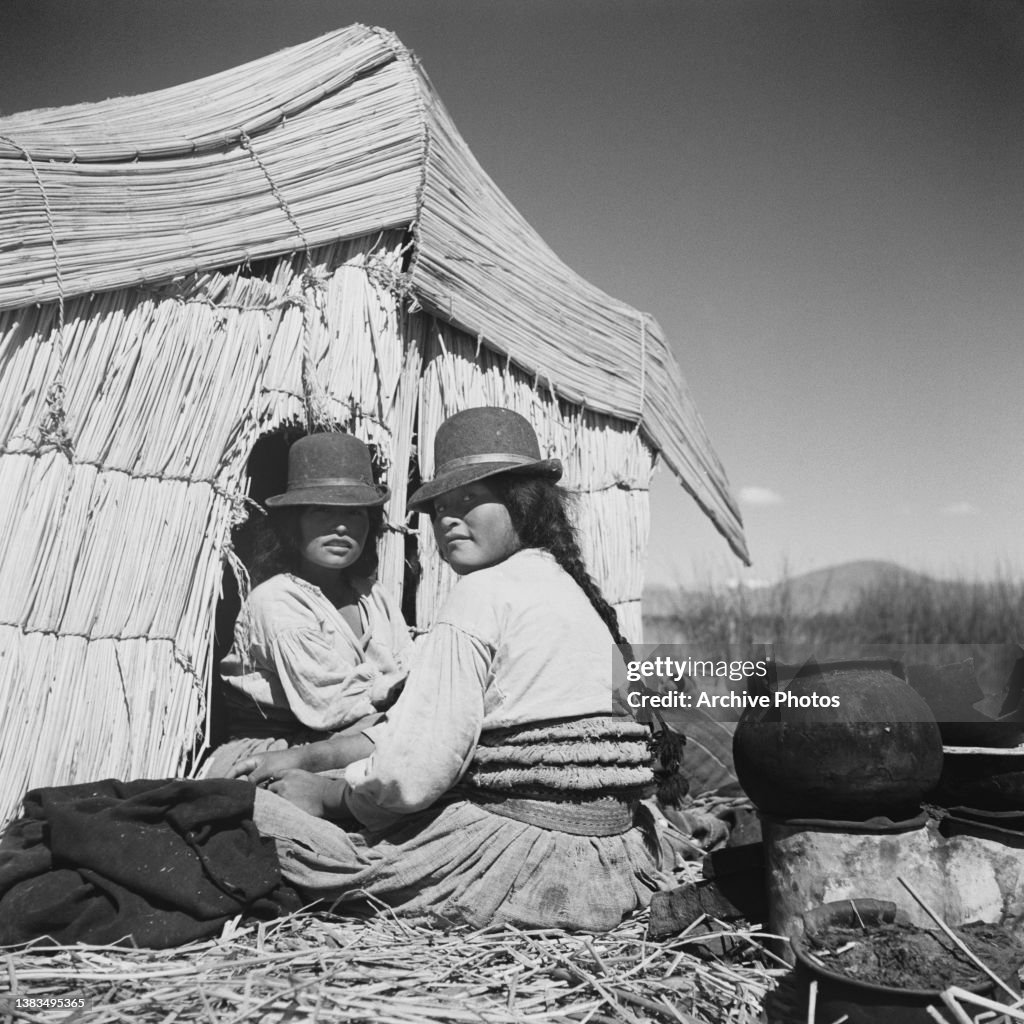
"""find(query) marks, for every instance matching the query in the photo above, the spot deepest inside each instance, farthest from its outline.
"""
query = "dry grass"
(314, 966)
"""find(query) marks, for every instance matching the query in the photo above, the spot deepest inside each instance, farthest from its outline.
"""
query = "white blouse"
(293, 649)
(514, 643)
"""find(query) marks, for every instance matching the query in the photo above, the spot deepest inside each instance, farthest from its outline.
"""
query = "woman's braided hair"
(539, 510)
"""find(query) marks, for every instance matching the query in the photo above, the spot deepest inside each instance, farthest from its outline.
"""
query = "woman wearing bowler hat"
(501, 787)
(318, 648)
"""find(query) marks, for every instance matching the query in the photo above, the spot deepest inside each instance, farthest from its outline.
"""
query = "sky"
(820, 202)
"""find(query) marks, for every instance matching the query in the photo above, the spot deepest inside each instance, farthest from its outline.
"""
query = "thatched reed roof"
(328, 140)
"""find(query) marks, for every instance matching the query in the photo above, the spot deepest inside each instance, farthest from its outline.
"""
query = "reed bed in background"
(949, 612)
(914, 620)
(901, 613)
(311, 967)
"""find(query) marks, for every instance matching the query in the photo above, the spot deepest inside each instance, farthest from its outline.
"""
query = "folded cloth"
(152, 863)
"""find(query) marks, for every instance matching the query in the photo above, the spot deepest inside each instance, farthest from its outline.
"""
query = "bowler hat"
(330, 469)
(478, 443)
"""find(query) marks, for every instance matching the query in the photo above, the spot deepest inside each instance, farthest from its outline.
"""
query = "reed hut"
(301, 242)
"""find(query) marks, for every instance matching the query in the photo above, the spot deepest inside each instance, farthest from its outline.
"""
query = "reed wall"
(118, 518)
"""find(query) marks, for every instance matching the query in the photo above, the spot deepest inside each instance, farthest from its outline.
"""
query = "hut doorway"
(267, 470)
(268, 474)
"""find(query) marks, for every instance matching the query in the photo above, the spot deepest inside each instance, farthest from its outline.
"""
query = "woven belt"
(602, 816)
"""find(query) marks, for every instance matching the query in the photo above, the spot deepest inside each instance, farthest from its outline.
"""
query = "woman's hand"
(263, 768)
(311, 793)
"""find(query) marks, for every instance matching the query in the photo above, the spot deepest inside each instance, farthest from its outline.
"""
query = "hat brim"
(337, 495)
(423, 496)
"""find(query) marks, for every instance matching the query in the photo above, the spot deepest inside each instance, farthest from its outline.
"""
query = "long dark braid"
(539, 510)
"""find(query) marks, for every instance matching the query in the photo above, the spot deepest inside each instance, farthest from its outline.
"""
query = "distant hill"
(838, 587)
(829, 591)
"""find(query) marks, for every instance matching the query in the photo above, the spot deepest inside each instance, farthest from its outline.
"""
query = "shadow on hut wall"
(252, 540)
(254, 543)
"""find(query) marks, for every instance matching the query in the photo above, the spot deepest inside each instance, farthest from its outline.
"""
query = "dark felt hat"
(478, 443)
(330, 469)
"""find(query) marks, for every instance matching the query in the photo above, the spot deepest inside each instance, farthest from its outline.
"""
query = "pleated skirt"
(459, 863)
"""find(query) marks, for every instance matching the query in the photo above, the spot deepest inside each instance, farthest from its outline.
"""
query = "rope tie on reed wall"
(246, 144)
(180, 657)
(53, 426)
(385, 277)
(315, 396)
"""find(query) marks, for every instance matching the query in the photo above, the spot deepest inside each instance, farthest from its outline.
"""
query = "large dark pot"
(844, 741)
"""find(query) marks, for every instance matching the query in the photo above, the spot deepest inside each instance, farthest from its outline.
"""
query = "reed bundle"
(112, 558)
(312, 967)
(84, 712)
(348, 166)
(333, 139)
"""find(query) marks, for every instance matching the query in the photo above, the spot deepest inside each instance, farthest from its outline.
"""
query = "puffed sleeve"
(397, 630)
(389, 645)
(325, 689)
(431, 733)
(311, 657)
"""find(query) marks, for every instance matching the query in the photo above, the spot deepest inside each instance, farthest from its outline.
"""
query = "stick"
(958, 941)
(812, 1001)
(958, 1011)
(963, 996)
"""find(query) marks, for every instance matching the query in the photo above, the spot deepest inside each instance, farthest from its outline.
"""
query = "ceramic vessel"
(844, 741)
(841, 997)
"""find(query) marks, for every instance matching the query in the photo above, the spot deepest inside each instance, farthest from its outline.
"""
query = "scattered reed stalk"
(957, 940)
(309, 966)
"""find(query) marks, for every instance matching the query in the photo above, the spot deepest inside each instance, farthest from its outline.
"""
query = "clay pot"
(878, 752)
(859, 1002)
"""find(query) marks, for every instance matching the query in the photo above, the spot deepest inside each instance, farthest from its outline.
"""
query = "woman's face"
(332, 537)
(472, 528)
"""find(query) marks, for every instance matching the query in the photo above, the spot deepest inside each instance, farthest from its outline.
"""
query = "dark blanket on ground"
(146, 863)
